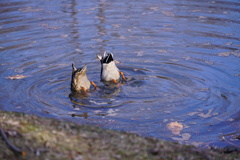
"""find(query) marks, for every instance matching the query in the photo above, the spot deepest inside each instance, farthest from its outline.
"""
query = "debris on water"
(30, 9)
(186, 58)
(167, 13)
(175, 127)
(208, 114)
(174, 60)
(192, 113)
(154, 8)
(184, 137)
(228, 43)
(64, 35)
(162, 51)
(18, 76)
(224, 96)
(228, 53)
(209, 63)
(139, 53)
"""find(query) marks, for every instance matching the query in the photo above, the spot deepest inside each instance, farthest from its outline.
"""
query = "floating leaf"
(154, 8)
(167, 13)
(228, 53)
(195, 10)
(225, 54)
(64, 35)
(228, 43)
(116, 25)
(175, 127)
(18, 76)
(209, 63)
(139, 53)
(207, 115)
(174, 60)
(192, 113)
(186, 58)
(202, 17)
(30, 9)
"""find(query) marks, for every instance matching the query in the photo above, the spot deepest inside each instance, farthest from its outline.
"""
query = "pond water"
(181, 59)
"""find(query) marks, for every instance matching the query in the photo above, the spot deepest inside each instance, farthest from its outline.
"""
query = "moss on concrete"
(43, 138)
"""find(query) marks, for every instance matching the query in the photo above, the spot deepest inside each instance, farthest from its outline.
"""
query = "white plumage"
(109, 70)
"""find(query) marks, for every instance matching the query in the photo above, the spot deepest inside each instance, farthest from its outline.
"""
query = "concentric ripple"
(181, 60)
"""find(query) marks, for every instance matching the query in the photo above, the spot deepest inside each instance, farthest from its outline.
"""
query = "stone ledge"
(44, 138)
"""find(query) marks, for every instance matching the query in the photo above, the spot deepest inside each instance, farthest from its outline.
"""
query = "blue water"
(181, 58)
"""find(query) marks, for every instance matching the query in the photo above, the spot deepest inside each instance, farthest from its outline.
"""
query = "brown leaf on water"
(154, 8)
(162, 51)
(236, 53)
(18, 76)
(30, 9)
(225, 54)
(167, 13)
(206, 115)
(167, 29)
(175, 127)
(116, 25)
(44, 25)
(195, 10)
(228, 43)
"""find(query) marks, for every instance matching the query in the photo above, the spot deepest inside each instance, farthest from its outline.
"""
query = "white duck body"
(110, 72)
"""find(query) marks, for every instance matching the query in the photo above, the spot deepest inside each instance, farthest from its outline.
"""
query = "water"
(181, 58)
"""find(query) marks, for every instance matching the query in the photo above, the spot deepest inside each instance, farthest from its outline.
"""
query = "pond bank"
(44, 138)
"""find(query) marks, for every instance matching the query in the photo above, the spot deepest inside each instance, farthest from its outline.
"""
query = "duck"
(109, 70)
(80, 82)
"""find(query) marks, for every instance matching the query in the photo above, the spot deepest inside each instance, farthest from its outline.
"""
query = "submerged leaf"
(184, 137)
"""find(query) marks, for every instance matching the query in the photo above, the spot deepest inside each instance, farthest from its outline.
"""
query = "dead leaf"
(139, 53)
(175, 127)
(154, 8)
(116, 25)
(207, 115)
(162, 51)
(174, 60)
(167, 13)
(18, 76)
(228, 53)
(192, 113)
(228, 43)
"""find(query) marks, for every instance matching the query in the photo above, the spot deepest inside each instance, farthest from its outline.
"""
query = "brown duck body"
(79, 80)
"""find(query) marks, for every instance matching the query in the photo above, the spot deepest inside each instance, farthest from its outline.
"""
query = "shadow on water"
(181, 59)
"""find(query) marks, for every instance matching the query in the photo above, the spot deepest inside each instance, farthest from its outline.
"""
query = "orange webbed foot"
(123, 77)
(84, 91)
(94, 85)
(114, 81)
